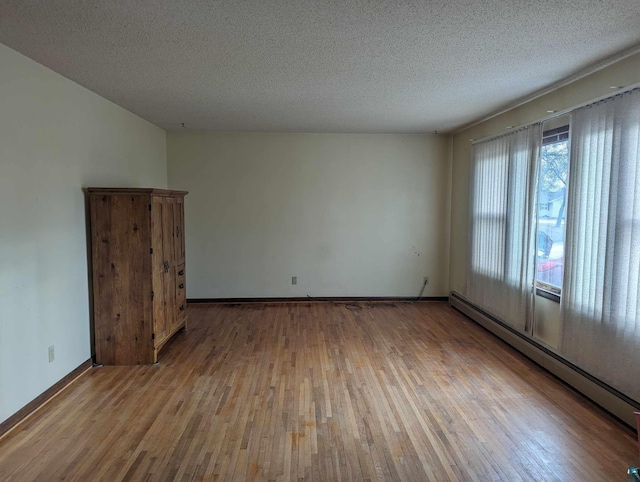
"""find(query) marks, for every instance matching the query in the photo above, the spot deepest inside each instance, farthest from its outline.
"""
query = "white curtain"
(600, 306)
(502, 228)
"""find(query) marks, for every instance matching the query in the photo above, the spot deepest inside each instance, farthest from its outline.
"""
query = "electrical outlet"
(425, 280)
(52, 354)
(294, 280)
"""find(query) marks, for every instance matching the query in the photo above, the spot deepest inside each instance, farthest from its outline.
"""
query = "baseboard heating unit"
(599, 392)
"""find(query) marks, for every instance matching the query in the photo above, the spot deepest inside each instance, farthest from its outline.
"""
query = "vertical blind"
(502, 231)
(600, 306)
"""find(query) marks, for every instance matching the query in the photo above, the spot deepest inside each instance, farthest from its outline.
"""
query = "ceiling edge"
(555, 86)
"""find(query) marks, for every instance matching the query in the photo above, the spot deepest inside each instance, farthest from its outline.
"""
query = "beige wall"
(55, 138)
(623, 73)
(348, 214)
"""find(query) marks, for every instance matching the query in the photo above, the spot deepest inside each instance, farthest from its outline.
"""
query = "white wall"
(348, 214)
(55, 138)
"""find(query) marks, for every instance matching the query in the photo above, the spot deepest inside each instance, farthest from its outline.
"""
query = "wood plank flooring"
(316, 391)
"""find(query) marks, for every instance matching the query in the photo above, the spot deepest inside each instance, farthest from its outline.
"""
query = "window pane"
(552, 197)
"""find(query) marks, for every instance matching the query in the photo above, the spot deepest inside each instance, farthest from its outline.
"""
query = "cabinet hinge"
(152, 295)
(153, 336)
(150, 250)
(149, 207)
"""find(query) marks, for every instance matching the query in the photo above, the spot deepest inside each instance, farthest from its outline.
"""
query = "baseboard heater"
(599, 392)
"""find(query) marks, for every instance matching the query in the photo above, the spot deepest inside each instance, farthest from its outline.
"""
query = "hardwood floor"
(317, 391)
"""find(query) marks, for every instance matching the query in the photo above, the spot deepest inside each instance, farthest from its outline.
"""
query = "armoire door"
(169, 248)
(179, 230)
(159, 266)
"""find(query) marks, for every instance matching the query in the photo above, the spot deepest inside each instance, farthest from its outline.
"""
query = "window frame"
(550, 136)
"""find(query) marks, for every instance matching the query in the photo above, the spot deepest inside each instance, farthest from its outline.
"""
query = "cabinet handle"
(166, 266)
(181, 286)
(182, 308)
(181, 272)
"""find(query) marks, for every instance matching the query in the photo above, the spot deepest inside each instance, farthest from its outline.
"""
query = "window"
(490, 217)
(502, 234)
(523, 185)
(600, 307)
(552, 201)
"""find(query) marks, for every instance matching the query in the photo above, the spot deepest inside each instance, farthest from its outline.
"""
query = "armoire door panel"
(169, 238)
(179, 231)
(158, 270)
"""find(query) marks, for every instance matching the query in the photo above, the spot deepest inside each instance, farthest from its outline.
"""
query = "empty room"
(319, 240)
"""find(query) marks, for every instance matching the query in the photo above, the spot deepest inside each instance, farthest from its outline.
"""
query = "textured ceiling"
(317, 66)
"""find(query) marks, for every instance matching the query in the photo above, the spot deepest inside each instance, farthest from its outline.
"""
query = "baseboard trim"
(38, 402)
(607, 397)
(330, 299)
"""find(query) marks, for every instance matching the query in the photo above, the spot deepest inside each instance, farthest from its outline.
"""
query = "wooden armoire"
(139, 282)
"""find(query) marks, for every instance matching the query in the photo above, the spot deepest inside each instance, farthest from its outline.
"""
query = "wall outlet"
(294, 280)
(52, 353)
(425, 280)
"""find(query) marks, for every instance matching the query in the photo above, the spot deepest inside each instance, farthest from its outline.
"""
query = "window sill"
(550, 295)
